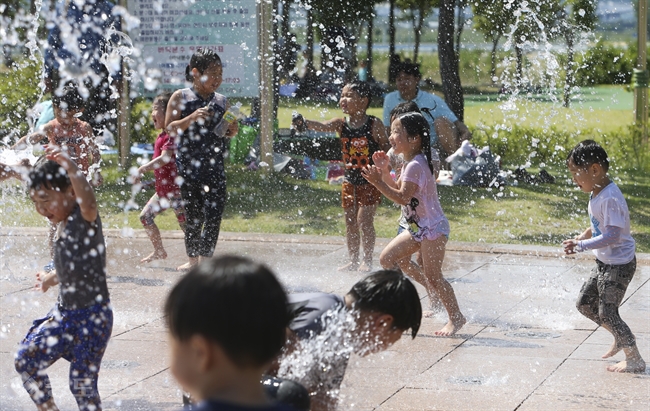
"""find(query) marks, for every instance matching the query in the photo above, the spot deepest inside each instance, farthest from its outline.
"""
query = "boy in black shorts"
(227, 319)
(327, 328)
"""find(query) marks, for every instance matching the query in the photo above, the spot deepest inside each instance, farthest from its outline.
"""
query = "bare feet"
(185, 267)
(636, 365)
(427, 313)
(156, 255)
(612, 351)
(351, 266)
(452, 326)
(365, 267)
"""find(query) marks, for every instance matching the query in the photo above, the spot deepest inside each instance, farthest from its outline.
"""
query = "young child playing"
(70, 133)
(609, 238)
(195, 119)
(167, 192)
(383, 306)
(79, 326)
(428, 228)
(361, 136)
(227, 318)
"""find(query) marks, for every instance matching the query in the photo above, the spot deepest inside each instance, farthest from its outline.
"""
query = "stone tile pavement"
(524, 348)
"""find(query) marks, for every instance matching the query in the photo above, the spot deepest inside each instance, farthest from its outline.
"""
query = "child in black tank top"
(361, 136)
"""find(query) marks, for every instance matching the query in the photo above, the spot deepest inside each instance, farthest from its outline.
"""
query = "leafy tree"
(492, 18)
(416, 12)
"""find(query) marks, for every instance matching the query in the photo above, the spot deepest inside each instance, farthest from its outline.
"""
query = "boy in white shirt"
(609, 238)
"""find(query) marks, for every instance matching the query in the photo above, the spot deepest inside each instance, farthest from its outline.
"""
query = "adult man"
(447, 131)
(78, 47)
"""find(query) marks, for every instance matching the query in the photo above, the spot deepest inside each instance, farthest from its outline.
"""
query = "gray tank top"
(80, 262)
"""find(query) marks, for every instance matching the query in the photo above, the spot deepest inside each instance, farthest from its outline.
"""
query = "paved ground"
(525, 346)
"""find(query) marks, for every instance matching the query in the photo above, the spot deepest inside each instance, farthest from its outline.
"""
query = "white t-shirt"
(424, 213)
(609, 208)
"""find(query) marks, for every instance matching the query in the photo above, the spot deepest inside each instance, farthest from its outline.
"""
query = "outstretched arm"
(330, 126)
(82, 189)
(29, 139)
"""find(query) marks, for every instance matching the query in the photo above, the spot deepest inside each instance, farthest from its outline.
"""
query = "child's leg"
(398, 254)
(352, 237)
(613, 281)
(193, 203)
(149, 212)
(214, 202)
(179, 211)
(93, 330)
(43, 345)
(433, 254)
(366, 221)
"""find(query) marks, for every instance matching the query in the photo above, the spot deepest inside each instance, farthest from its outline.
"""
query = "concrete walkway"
(525, 346)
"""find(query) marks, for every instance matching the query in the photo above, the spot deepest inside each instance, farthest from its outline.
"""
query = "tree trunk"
(519, 75)
(391, 41)
(417, 32)
(569, 80)
(371, 25)
(459, 28)
(310, 41)
(451, 85)
(493, 60)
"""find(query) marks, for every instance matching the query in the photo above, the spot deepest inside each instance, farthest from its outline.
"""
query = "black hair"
(362, 89)
(409, 68)
(234, 302)
(416, 125)
(201, 60)
(48, 174)
(403, 108)
(588, 152)
(163, 98)
(389, 292)
(68, 97)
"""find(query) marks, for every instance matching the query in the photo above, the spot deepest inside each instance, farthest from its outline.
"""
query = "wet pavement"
(525, 346)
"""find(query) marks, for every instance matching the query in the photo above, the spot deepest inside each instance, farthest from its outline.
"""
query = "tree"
(417, 11)
(492, 19)
(575, 17)
(451, 85)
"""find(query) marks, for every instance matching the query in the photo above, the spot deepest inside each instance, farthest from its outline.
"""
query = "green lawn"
(523, 214)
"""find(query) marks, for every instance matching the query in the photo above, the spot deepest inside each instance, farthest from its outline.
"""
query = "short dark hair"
(588, 152)
(403, 108)
(201, 60)
(416, 125)
(409, 68)
(68, 97)
(48, 174)
(362, 89)
(163, 98)
(389, 292)
(234, 302)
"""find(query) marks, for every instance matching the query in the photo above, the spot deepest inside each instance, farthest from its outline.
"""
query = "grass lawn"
(277, 203)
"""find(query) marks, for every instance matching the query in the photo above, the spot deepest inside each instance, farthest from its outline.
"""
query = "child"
(79, 326)
(609, 238)
(167, 192)
(428, 228)
(361, 136)
(195, 119)
(70, 133)
(226, 319)
(382, 307)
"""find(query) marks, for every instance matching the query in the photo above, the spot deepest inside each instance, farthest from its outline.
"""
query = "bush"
(531, 146)
(141, 129)
(18, 93)
(606, 64)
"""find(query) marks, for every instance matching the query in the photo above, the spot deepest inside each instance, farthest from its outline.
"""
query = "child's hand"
(381, 159)
(46, 280)
(372, 174)
(98, 179)
(201, 115)
(570, 246)
(56, 153)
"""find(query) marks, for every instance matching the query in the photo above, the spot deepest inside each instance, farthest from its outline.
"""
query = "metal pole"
(266, 58)
(641, 73)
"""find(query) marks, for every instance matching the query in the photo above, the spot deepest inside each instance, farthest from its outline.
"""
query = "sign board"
(171, 30)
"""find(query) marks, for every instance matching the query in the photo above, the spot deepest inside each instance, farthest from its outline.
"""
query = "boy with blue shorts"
(79, 326)
(609, 238)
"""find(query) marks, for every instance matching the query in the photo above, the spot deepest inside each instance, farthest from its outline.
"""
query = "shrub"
(141, 129)
(606, 64)
(18, 93)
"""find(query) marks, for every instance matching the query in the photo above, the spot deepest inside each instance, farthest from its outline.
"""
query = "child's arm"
(93, 150)
(44, 281)
(30, 138)
(399, 192)
(571, 245)
(82, 189)
(380, 135)
(163, 159)
(11, 171)
(175, 125)
(330, 126)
